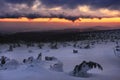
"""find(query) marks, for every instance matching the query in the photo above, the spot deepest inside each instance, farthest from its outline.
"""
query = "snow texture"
(37, 68)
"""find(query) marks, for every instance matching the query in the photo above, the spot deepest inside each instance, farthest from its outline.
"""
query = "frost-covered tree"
(10, 48)
(30, 44)
(7, 63)
(2, 61)
(54, 45)
(14, 45)
(75, 45)
(24, 60)
(81, 69)
(11, 64)
(40, 45)
(117, 51)
(87, 46)
(30, 51)
(75, 51)
(18, 45)
(39, 57)
(50, 58)
(30, 59)
(57, 66)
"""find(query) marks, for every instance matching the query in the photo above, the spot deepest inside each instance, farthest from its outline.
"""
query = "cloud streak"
(28, 2)
(110, 4)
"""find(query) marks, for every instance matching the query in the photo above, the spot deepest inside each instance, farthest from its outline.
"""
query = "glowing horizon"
(24, 19)
(28, 15)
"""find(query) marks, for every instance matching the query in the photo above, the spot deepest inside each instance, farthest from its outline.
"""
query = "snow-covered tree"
(6, 63)
(40, 45)
(54, 45)
(87, 46)
(30, 59)
(10, 48)
(75, 51)
(11, 64)
(2, 61)
(57, 66)
(39, 57)
(50, 58)
(81, 69)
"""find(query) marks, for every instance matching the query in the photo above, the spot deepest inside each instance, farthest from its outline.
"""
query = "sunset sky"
(38, 15)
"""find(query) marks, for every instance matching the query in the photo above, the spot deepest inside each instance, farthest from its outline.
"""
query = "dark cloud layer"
(60, 16)
(32, 16)
(28, 2)
(7, 12)
(110, 4)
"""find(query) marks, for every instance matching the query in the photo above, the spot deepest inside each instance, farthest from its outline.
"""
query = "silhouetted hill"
(55, 35)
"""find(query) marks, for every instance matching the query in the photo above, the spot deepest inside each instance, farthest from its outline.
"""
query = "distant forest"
(59, 36)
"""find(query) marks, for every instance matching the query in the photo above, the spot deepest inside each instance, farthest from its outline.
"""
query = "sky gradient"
(58, 14)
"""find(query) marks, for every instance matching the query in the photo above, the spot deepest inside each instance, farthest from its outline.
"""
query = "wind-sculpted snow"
(24, 65)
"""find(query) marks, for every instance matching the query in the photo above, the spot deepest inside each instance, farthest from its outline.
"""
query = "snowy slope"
(100, 53)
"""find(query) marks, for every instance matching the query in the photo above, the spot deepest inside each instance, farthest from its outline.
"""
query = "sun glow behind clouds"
(116, 19)
(58, 14)
(24, 19)
(102, 12)
(110, 12)
(84, 8)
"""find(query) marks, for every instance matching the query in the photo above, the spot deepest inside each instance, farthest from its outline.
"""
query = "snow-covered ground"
(101, 53)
